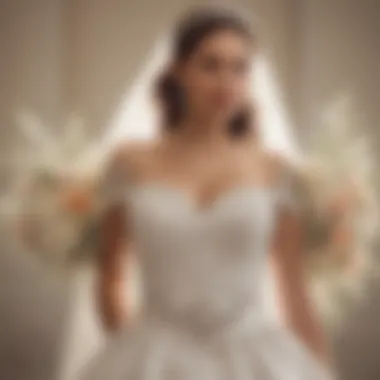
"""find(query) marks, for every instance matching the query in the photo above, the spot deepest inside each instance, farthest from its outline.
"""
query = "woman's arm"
(111, 299)
(288, 264)
(114, 247)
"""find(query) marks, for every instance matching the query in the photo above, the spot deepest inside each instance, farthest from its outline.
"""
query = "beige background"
(59, 56)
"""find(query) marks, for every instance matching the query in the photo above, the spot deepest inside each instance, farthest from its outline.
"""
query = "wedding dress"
(202, 273)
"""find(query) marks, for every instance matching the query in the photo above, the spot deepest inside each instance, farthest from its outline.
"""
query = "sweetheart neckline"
(195, 204)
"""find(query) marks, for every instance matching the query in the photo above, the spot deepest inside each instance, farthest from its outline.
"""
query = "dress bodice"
(209, 260)
(200, 267)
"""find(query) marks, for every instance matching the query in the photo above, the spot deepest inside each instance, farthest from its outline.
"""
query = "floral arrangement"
(341, 214)
(54, 201)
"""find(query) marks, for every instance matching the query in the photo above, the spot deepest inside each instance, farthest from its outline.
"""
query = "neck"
(203, 131)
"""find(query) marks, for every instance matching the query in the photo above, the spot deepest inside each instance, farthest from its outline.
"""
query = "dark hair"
(190, 32)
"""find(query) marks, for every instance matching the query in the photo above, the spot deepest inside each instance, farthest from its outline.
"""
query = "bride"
(204, 208)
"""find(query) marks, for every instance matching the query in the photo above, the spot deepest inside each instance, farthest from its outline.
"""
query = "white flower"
(48, 194)
(343, 159)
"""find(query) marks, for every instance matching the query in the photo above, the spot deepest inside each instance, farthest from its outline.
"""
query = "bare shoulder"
(131, 150)
(132, 155)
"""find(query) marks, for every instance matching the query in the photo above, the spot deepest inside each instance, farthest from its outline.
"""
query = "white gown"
(203, 311)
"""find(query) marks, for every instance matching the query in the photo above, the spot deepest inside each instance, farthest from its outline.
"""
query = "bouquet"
(54, 203)
(341, 213)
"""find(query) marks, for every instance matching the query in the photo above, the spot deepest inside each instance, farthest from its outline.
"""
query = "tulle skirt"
(250, 350)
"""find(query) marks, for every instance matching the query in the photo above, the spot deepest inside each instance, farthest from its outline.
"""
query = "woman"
(204, 207)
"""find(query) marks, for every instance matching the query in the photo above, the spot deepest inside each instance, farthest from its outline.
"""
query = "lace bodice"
(203, 268)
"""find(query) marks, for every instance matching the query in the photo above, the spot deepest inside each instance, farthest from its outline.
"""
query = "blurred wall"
(32, 51)
(340, 54)
(31, 75)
